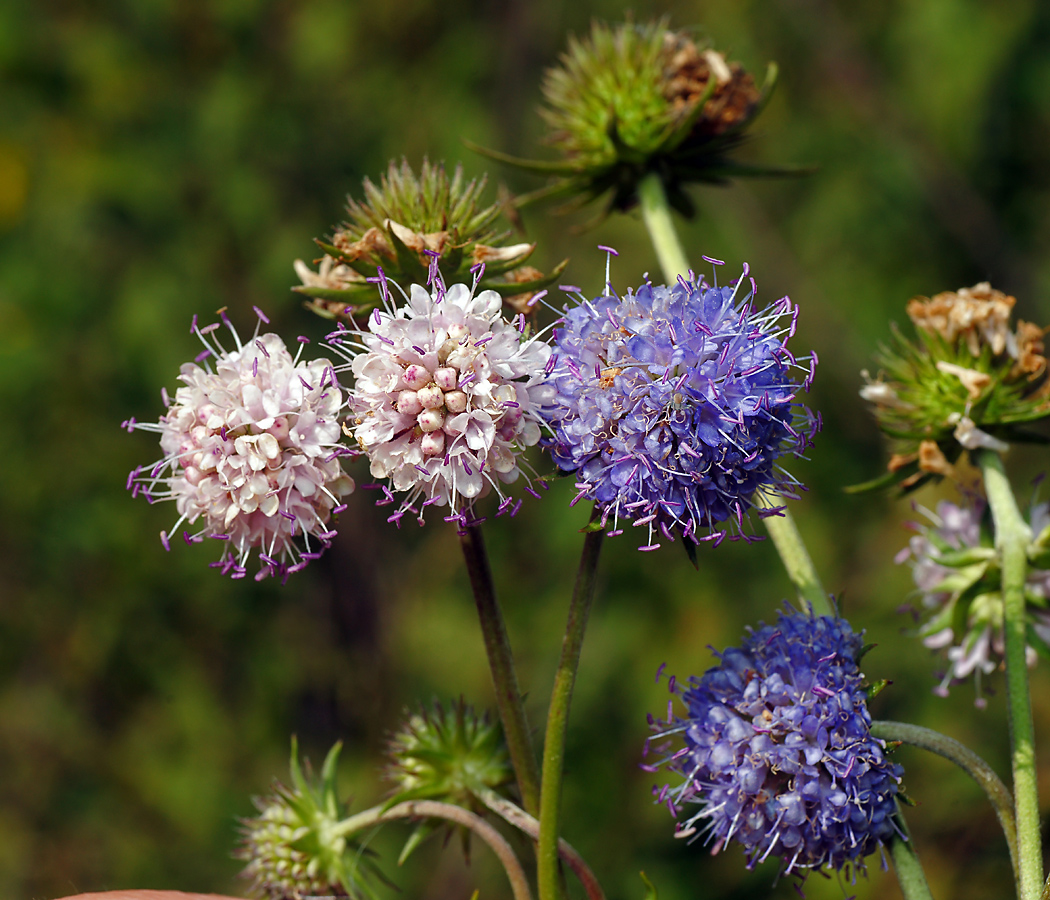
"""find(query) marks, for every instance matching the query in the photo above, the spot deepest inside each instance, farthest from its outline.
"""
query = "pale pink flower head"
(251, 452)
(446, 397)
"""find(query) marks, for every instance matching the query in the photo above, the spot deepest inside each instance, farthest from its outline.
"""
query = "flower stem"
(1012, 535)
(799, 565)
(501, 662)
(412, 809)
(910, 876)
(657, 215)
(996, 792)
(520, 819)
(558, 714)
(795, 557)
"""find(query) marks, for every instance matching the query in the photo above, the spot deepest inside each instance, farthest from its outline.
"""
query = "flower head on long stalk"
(674, 404)
(251, 452)
(777, 752)
(446, 395)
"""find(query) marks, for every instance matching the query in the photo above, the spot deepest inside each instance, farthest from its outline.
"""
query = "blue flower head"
(778, 752)
(673, 405)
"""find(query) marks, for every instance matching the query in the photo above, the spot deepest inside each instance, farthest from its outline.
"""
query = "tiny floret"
(673, 405)
(251, 453)
(777, 752)
(445, 396)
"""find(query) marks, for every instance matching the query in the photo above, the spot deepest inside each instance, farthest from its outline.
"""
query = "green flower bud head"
(447, 754)
(400, 225)
(632, 99)
(969, 382)
(294, 847)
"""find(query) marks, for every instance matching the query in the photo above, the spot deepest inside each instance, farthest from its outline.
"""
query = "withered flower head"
(404, 222)
(969, 382)
(637, 98)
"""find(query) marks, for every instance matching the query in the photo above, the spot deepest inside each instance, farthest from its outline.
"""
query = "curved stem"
(796, 559)
(799, 565)
(1012, 535)
(432, 809)
(501, 663)
(558, 715)
(521, 820)
(994, 789)
(910, 876)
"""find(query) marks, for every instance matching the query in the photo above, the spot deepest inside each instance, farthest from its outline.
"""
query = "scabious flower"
(969, 382)
(778, 753)
(956, 570)
(446, 396)
(294, 847)
(402, 221)
(251, 452)
(673, 404)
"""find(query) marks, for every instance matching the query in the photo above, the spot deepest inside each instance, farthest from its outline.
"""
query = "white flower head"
(446, 396)
(251, 452)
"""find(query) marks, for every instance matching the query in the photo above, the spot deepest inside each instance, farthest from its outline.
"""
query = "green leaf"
(650, 888)
(419, 835)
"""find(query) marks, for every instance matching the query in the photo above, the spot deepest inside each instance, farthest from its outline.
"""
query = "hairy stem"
(501, 663)
(558, 715)
(1012, 535)
(996, 792)
(521, 820)
(432, 809)
(910, 876)
(659, 222)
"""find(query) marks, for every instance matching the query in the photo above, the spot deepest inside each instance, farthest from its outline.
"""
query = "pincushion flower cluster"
(446, 396)
(778, 753)
(251, 453)
(956, 571)
(673, 405)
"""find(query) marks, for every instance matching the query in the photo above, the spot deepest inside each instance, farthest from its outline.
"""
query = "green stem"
(910, 876)
(548, 880)
(432, 809)
(1012, 535)
(985, 776)
(657, 215)
(800, 569)
(520, 819)
(501, 662)
(796, 559)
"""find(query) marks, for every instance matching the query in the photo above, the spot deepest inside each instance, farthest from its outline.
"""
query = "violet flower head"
(674, 404)
(251, 453)
(778, 753)
(446, 396)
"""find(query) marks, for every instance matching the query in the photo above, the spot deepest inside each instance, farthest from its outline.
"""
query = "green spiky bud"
(633, 99)
(404, 221)
(294, 847)
(969, 381)
(449, 754)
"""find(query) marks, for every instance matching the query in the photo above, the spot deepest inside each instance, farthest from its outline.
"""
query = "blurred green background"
(164, 157)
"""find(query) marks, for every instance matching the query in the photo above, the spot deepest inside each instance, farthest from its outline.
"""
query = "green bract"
(633, 99)
(447, 754)
(968, 382)
(400, 225)
(294, 847)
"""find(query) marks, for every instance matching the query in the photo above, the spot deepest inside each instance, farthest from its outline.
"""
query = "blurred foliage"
(160, 158)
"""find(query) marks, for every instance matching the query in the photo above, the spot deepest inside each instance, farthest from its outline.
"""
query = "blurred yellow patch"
(14, 184)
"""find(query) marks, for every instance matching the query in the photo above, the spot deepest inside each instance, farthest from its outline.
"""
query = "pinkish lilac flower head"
(673, 405)
(445, 397)
(956, 572)
(776, 751)
(251, 453)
